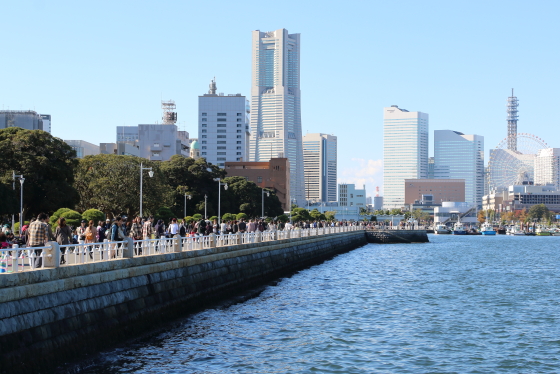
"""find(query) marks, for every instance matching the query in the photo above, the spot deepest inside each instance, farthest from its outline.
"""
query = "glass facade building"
(460, 156)
(320, 164)
(547, 167)
(275, 104)
(405, 152)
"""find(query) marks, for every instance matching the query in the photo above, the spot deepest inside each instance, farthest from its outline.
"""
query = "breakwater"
(396, 236)
(50, 316)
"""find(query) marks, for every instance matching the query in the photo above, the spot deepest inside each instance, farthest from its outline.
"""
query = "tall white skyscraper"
(405, 152)
(547, 167)
(223, 128)
(275, 104)
(319, 160)
(460, 156)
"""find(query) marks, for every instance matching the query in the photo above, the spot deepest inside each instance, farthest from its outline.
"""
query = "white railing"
(21, 259)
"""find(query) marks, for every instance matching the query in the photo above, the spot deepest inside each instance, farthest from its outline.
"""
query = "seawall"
(52, 316)
(396, 236)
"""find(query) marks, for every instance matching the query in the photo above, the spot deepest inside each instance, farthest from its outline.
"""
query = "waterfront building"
(273, 174)
(441, 190)
(451, 211)
(405, 152)
(83, 148)
(460, 156)
(26, 119)
(523, 196)
(350, 196)
(320, 164)
(223, 127)
(547, 167)
(276, 104)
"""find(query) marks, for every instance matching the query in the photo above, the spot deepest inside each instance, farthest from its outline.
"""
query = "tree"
(93, 214)
(73, 218)
(229, 217)
(300, 214)
(330, 215)
(47, 164)
(56, 215)
(283, 218)
(241, 216)
(481, 216)
(317, 216)
(111, 183)
(538, 212)
(246, 197)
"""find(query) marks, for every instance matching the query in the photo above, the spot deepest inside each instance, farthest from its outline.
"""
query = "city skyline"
(113, 66)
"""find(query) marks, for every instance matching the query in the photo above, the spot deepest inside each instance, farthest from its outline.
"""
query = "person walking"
(147, 229)
(82, 231)
(91, 236)
(116, 235)
(173, 228)
(63, 236)
(38, 237)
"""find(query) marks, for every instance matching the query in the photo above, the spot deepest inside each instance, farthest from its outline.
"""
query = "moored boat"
(459, 229)
(487, 229)
(442, 230)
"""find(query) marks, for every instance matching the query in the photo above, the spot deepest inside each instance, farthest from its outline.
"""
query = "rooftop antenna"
(212, 90)
(512, 118)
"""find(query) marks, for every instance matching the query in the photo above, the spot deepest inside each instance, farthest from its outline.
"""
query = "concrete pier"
(396, 236)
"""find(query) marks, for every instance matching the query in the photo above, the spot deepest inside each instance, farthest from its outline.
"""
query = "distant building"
(460, 156)
(405, 152)
(154, 142)
(349, 196)
(320, 165)
(519, 197)
(274, 174)
(26, 119)
(83, 148)
(276, 103)
(121, 148)
(378, 202)
(441, 190)
(223, 127)
(195, 150)
(547, 167)
(431, 167)
(452, 211)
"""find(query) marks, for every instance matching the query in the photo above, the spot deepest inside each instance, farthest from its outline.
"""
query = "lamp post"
(185, 209)
(205, 198)
(268, 195)
(151, 174)
(21, 180)
(220, 184)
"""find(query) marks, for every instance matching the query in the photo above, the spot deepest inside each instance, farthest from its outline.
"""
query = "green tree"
(197, 216)
(300, 214)
(241, 216)
(246, 197)
(111, 183)
(164, 213)
(93, 214)
(317, 216)
(47, 164)
(213, 218)
(538, 212)
(229, 217)
(330, 215)
(73, 218)
(56, 215)
(395, 212)
(283, 218)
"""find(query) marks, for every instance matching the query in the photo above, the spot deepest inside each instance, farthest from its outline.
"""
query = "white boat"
(515, 230)
(459, 229)
(441, 230)
(542, 231)
(487, 229)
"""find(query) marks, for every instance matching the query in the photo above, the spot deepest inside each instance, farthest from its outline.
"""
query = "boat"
(540, 231)
(459, 229)
(442, 230)
(515, 230)
(487, 229)
(555, 232)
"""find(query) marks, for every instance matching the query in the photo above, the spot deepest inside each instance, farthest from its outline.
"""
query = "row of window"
(221, 124)
(222, 114)
(221, 137)
(221, 142)
(222, 148)
(219, 154)
(219, 131)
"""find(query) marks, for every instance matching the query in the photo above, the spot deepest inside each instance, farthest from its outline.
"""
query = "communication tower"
(377, 191)
(169, 113)
(512, 118)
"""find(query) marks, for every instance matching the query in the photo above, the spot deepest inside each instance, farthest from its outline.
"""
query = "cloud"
(363, 172)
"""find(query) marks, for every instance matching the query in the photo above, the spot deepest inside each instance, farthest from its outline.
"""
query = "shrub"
(283, 218)
(229, 217)
(16, 226)
(241, 215)
(213, 218)
(73, 218)
(56, 215)
(93, 214)
(197, 216)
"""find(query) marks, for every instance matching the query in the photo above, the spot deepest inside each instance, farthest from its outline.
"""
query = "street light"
(21, 180)
(185, 210)
(205, 198)
(151, 174)
(220, 184)
(268, 195)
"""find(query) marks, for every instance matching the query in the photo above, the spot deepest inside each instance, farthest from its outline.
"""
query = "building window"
(239, 114)
(238, 142)
(221, 158)
(221, 125)
(238, 125)
(221, 142)
(222, 131)
(204, 153)
(239, 120)
(204, 120)
(221, 147)
(222, 119)
(239, 153)
(221, 136)
(204, 114)
(259, 179)
(204, 142)
(155, 154)
(203, 136)
(203, 131)
(222, 114)
(203, 125)
(238, 147)
(204, 147)
(221, 153)
(156, 145)
(238, 136)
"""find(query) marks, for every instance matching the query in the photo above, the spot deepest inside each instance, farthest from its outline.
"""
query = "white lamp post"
(220, 184)
(205, 198)
(151, 174)
(268, 195)
(185, 209)
(21, 180)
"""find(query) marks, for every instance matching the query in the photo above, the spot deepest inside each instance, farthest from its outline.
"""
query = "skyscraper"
(319, 161)
(460, 156)
(547, 167)
(275, 104)
(405, 152)
(222, 127)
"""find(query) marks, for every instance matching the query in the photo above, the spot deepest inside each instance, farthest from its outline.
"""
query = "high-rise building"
(276, 104)
(460, 156)
(26, 119)
(223, 128)
(405, 152)
(319, 161)
(547, 167)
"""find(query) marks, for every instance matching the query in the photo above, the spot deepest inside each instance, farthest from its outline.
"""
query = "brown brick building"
(441, 189)
(274, 174)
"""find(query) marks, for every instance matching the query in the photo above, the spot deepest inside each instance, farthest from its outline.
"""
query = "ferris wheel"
(507, 166)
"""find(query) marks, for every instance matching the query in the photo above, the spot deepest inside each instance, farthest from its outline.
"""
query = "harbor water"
(459, 304)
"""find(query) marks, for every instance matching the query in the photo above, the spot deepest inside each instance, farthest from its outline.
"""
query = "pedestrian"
(82, 231)
(147, 229)
(242, 226)
(159, 229)
(91, 235)
(39, 237)
(116, 235)
(202, 227)
(173, 228)
(63, 235)
(136, 229)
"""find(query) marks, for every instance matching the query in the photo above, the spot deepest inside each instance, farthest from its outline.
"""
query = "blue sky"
(97, 65)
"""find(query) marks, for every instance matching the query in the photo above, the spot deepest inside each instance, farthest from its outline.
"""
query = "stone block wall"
(396, 236)
(52, 316)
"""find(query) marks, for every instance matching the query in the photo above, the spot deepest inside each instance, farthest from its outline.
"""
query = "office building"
(273, 174)
(319, 161)
(405, 152)
(350, 196)
(276, 104)
(547, 167)
(460, 156)
(83, 148)
(223, 128)
(26, 119)
(440, 189)
(522, 196)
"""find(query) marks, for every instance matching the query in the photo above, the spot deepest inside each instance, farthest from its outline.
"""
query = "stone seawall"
(52, 316)
(397, 236)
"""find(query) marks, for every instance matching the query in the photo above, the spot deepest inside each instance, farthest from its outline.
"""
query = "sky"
(97, 65)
